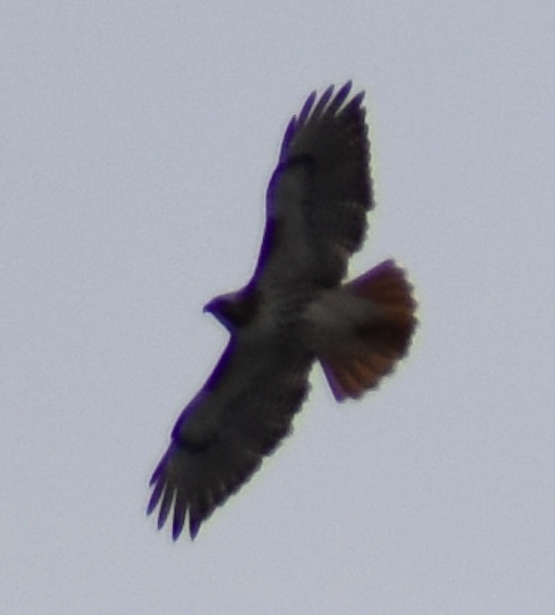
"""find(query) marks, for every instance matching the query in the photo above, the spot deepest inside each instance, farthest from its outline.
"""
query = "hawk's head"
(234, 310)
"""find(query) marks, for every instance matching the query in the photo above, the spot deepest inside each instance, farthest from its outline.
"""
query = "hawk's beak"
(209, 307)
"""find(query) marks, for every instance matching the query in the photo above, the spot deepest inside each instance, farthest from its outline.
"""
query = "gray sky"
(137, 141)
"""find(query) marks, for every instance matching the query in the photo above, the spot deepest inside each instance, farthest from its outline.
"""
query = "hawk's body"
(293, 311)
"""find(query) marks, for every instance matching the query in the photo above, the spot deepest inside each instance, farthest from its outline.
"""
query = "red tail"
(379, 341)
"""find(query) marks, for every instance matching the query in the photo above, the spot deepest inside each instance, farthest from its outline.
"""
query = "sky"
(137, 142)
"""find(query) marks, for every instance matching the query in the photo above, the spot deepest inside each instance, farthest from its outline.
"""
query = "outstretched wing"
(319, 194)
(241, 414)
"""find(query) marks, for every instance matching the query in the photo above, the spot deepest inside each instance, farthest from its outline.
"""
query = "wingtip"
(155, 497)
(177, 529)
(179, 512)
(300, 119)
(194, 526)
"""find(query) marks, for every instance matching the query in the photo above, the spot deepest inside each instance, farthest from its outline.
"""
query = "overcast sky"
(137, 142)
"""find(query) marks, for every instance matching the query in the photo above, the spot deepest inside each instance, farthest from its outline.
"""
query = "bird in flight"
(296, 310)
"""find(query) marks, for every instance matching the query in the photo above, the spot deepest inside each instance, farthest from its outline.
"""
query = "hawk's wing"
(218, 442)
(319, 194)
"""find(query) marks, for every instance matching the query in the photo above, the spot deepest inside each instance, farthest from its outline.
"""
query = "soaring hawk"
(294, 311)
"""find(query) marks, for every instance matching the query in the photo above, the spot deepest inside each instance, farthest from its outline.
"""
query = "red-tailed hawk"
(293, 312)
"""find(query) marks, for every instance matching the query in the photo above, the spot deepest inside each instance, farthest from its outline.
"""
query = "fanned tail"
(378, 340)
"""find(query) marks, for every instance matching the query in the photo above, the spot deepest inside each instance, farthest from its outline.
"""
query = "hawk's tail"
(380, 337)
